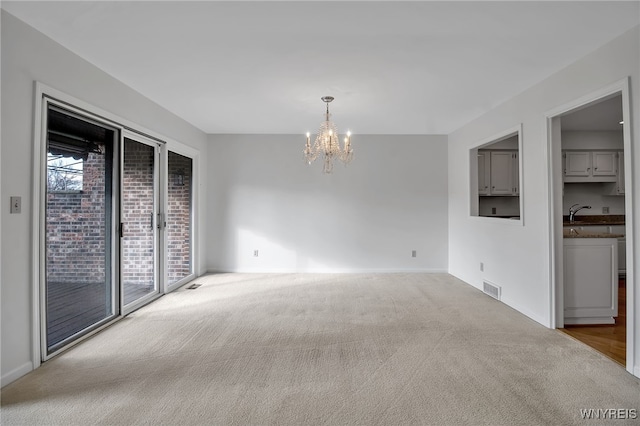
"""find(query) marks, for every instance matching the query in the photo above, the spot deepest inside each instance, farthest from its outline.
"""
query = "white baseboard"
(328, 271)
(526, 312)
(16, 373)
(589, 320)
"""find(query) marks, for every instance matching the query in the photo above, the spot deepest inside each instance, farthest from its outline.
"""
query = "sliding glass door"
(141, 221)
(79, 289)
(116, 227)
(179, 232)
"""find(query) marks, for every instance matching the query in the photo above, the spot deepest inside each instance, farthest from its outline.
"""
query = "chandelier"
(327, 143)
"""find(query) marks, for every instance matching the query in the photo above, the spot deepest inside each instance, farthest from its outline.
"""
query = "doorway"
(594, 125)
(594, 197)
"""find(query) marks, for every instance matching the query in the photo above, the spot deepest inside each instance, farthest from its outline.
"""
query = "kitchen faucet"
(573, 211)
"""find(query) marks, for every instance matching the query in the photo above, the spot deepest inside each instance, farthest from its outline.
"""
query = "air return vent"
(193, 286)
(492, 289)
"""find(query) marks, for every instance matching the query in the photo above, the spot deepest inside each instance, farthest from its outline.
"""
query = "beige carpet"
(296, 349)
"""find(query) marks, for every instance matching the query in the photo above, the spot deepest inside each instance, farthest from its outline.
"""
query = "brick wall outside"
(137, 207)
(76, 222)
(178, 216)
(76, 229)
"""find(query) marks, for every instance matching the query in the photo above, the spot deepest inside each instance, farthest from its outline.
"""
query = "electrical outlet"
(255, 253)
(481, 266)
(493, 210)
(414, 253)
(605, 210)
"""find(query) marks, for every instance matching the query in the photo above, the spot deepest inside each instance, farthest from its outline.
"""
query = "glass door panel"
(179, 216)
(80, 292)
(139, 221)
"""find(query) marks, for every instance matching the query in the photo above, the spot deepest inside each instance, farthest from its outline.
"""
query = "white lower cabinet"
(590, 280)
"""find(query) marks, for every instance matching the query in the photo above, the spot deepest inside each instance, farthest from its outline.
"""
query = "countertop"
(586, 220)
(579, 233)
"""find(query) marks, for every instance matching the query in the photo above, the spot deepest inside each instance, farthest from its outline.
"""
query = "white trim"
(473, 186)
(324, 271)
(555, 210)
(16, 373)
(498, 220)
(37, 269)
(524, 310)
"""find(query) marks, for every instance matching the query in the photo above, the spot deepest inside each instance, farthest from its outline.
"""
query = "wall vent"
(194, 286)
(492, 289)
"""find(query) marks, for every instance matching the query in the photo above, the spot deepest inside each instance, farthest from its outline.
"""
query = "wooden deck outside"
(73, 307)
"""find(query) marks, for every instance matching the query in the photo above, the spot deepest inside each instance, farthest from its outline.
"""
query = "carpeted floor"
(296, 349)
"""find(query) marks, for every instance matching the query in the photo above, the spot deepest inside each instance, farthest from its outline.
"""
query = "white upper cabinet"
(484, 169)
(577, 163)
(590, 166)
(502, 173)
(617, 188)
(604, 163)
(498, 172)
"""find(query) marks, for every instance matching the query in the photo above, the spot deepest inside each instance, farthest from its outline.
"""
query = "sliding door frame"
(111, 243)
(157, 222)
(42, 95)
(193, 155)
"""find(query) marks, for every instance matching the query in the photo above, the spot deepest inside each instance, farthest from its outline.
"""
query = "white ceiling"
(393, 67)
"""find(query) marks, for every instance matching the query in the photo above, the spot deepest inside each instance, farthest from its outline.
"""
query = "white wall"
(518, 257)
(29, 56)
(592, 194)
(368, 216)
(601, 139)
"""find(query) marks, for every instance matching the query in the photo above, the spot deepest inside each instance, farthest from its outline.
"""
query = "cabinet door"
(604, 163)
(590, 280)
(577, 163)
(484, 166)
(501, 173)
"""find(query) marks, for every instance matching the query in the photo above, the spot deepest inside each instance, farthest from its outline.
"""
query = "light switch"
(16, 205)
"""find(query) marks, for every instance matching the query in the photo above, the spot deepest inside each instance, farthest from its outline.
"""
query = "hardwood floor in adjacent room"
(608, 339)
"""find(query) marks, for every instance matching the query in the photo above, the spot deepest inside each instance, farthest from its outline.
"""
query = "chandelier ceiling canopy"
(327, 143)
